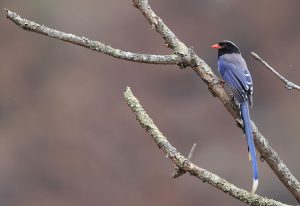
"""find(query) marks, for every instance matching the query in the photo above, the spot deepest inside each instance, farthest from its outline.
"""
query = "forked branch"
(185, 164)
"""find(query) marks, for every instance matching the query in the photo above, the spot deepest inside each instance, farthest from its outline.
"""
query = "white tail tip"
(249, 156)
(254, 186)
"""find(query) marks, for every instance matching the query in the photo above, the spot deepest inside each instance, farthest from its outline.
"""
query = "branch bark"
(288, 84)
(186, 165)
(91, 44)
(183, 56)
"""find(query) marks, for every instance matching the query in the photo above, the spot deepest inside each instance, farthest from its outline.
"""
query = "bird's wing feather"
(235, 85)
(234, 71)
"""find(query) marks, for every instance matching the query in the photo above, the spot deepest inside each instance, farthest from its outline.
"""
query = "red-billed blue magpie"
(235, 73)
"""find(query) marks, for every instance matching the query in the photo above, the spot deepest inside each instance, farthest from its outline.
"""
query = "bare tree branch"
(91, 44)
(207, 75)
(186, 165)
(288, 84)
(184, 56)
(192, 151)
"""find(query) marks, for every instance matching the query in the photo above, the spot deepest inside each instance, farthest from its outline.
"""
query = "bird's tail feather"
(249, 136)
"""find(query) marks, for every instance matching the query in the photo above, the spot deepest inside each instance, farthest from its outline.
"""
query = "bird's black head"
(226, 47)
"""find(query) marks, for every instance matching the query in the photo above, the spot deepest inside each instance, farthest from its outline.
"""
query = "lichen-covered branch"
(288, 84)
(207, 75)
(196, 63)
(186, 165)
(91, 44)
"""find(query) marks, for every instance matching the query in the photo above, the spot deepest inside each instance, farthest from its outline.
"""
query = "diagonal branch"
(91, 44)
(197, 64)
(207, 75)
(288, 84)
(186, 165)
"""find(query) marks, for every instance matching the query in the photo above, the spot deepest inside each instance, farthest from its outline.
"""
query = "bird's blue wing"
(235, 85)
(235, 73)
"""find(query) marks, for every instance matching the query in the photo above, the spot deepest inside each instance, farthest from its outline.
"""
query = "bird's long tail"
(251, 147)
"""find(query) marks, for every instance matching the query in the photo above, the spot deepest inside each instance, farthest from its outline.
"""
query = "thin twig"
(186, 165)
(208, 76)
(91, 44)
(178, 171)
(288, 84)
(192, 151)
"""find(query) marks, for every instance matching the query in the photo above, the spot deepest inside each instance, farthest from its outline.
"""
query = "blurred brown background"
(67, 138)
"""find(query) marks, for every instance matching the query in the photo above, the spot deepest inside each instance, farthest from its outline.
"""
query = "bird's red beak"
(216, 46)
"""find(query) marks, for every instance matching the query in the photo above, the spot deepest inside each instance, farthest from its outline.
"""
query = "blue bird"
(235, 73)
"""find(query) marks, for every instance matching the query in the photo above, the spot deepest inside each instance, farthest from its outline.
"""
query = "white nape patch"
(254, 186)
